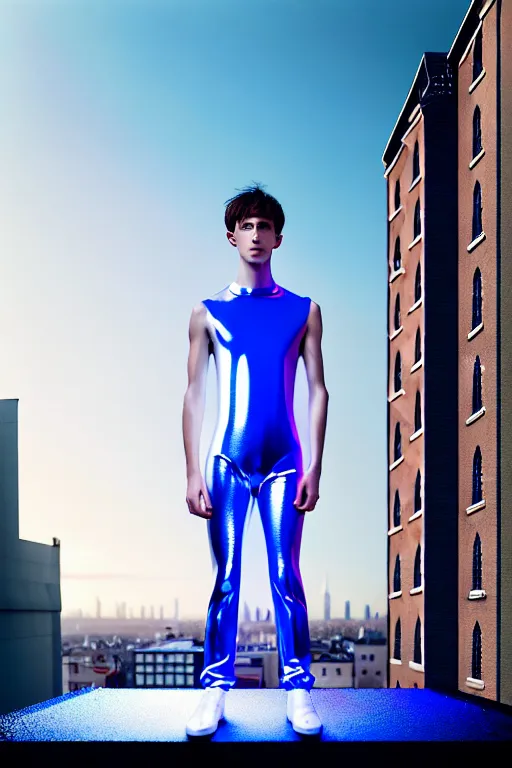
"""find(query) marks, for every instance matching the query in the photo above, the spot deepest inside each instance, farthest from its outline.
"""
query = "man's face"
(255, 239)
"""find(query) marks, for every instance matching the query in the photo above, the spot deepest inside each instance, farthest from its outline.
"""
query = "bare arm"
(318, 395)
(193, 408)
(318, 402)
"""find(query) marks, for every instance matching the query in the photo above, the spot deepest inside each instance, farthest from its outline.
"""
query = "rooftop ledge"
(377, 715)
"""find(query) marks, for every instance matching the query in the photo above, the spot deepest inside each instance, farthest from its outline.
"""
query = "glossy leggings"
(230, 492)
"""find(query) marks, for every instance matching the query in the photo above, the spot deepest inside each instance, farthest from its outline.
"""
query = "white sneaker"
(301, 712)
(206, 718)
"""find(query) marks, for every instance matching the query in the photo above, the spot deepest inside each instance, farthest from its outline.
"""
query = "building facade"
(30, 601)
(448, 166)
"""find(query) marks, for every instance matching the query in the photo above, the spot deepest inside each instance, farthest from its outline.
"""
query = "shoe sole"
(304, 731)
(205, 731)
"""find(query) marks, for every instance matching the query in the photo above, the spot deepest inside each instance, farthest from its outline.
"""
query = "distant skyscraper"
(161, 613)
(142, 612)
(327, 602)
(131, 613)
(176, 609)
(247, 612)
(367, 612)
(98, 608)
(258, 614)
(347, 609)
(268, 617)
(152, 611)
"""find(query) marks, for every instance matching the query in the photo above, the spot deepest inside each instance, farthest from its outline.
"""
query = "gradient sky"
(125, 127)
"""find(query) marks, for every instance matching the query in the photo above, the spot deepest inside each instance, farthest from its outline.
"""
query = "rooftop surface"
(348, 715)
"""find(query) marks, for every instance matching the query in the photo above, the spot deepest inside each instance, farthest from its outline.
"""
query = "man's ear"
(231, 237)
(279, 240)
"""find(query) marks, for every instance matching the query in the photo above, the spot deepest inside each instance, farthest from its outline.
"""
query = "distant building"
(327, 602)
(347, 610)
(333, 673)
(370, 660)
(247, 613)
(170, 664)
(367, 614)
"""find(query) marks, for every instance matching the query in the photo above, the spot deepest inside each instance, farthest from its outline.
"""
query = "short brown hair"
(253, 201)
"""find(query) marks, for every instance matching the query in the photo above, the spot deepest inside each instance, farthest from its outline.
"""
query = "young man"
(256, 330)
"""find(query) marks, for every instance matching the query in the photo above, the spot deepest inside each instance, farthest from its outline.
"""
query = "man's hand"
(198, 498)
(308, 486)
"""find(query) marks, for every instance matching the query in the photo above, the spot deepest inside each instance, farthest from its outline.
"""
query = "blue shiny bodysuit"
(256, 337)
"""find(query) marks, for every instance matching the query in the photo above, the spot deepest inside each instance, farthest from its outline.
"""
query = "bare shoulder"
(314, 317)
(198, 319)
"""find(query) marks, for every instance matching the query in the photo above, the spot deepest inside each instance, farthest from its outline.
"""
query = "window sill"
(471, 682)
(415, 305)
(477, 594)
(394, 595)
(416, 590)
(416, 434)
(394, 275)
(473, 244)
(473, 332)
(475, 416)
(476, 159)
(394, 530)
(415, 241)
(395, 661)
(415, 182)
(417, 365)
(477, 81)
(395, 333)
(416, 666)
(475, 507)
(396, 463)
(416, 515)
(395, 213)
(396, 395)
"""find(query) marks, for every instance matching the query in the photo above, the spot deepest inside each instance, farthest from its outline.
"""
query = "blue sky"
(126, 126)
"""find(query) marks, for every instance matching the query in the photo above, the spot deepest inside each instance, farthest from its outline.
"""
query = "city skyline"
(119, 151)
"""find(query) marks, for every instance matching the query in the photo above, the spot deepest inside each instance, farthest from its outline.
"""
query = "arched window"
(477, 55)
(397, 581)
(477, 228)
(417, 642)
(417, 219)
(477, 476)
(476, 653)
(416, 161)
(397, 312)
(476, 317)
(477, 131)
(398, 372)
(417, 412)
(397, 649)
(417, 492)
(397, 257)
(417, 347)
(398, 442)
(477, 563)
(417, 284)
(477, 385)
(397, 194)
(417, 568)
(396, 510)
